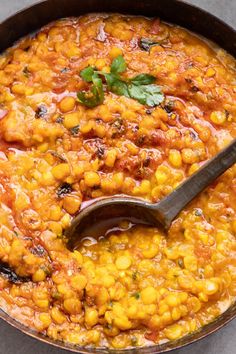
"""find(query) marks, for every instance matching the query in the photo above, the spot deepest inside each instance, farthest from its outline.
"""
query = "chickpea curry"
(102, 105)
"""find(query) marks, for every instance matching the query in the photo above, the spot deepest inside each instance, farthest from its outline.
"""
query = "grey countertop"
(222, 342)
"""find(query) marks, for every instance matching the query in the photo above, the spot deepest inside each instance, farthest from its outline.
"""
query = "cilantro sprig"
(95, 96)
(141, 87)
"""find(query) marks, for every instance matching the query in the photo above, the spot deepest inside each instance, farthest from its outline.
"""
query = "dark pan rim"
(181, 3)
(203, 332)
(220, 322)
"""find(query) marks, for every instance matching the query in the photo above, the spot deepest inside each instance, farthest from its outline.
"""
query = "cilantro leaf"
(149, 95)
(87, 74)
(143, 79)
(111, 79)
(140, 87)
(94, 97)
(120, 88)
(116, 85)
(118, 65)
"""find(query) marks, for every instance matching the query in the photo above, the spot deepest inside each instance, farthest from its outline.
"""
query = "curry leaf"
(118, 65)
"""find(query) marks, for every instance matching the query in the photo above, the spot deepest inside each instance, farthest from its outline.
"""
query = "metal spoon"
(101, 215)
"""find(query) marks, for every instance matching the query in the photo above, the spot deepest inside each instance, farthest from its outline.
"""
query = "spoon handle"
(169, 207)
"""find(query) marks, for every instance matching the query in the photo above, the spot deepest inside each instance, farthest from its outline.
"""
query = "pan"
(177, 12)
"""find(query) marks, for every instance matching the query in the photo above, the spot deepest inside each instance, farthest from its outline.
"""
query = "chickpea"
(67, 104)
(57, 316)
(175, 158)
(61, 171)
(91, 317)
(115, 52)
(149, 295)
(71, 119)
(218, 117)
(123, 262)
(92, 179)
(39, 275)
(72, 306)
(45, 319)
(189, 156)
(173, 332)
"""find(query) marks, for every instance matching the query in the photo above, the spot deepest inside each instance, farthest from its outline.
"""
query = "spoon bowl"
(106, 213)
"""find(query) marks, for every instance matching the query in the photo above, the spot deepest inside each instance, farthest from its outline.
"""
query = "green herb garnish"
(75, 130)
(150, 95)
(56, 295)
(141, 87)
(136, 295)
(146, 44)
(41, 111)
(64, 188)
(87, 74)
(118, 65)
(94, 97)
(134, 341)
(26, 72)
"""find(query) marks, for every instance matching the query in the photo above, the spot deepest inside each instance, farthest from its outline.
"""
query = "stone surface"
(222, 342)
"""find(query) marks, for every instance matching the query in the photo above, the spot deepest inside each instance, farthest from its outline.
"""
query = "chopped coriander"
(59, 119)
(41, 111)
(135, 275)
(136, 295)
(118, 65)
(100, 152)
(146, 44)
(26, 72)
(134, 341)
(65, 188)
(75, 130)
